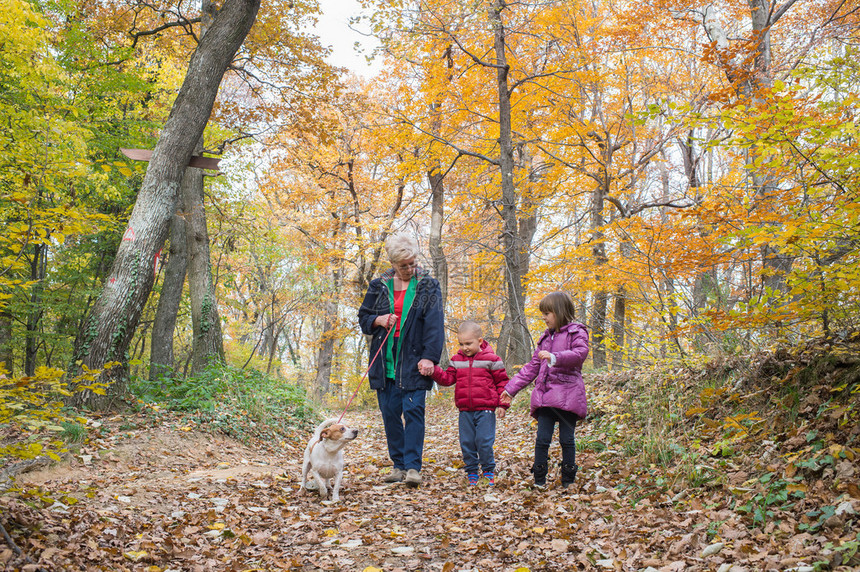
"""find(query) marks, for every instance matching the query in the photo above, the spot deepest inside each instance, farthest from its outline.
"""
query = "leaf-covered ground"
(150, 493)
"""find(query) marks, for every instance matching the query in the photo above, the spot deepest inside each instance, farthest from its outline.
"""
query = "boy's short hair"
(470, 327)
(560, 304)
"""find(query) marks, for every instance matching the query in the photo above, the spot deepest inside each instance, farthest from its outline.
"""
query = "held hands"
(426, 367)
(505, 399)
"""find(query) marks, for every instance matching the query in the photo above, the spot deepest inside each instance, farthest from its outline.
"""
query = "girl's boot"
(568, 473)
(539, 471)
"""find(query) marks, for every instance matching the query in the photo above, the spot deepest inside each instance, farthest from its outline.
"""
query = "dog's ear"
(325, 433)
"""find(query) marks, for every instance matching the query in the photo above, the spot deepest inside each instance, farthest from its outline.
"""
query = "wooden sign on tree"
(196, 160)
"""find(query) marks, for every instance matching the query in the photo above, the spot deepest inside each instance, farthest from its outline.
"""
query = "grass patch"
(241, 403)
(73, 432)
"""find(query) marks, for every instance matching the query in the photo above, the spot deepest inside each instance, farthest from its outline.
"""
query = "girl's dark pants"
(547, 417)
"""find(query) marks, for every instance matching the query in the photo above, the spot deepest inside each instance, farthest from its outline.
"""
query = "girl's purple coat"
(560, 386)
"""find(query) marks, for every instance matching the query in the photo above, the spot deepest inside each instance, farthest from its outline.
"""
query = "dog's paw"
(311, 485)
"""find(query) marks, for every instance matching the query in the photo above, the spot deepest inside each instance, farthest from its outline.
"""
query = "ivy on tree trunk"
(114, 317)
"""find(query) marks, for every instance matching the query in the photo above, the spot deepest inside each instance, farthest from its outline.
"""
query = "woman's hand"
(386, 321)
(505, 398)
(543, 354)
(426, 367)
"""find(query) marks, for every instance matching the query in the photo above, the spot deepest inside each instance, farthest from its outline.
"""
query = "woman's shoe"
(413, 478)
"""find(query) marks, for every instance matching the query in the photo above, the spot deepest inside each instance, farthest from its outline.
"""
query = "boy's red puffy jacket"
(479, 379)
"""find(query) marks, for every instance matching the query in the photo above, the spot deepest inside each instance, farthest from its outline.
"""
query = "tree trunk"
(273, 347)
(598, 251)
(115, 315)
(437, 255)
(618, 327)
(598, 329)
(669, 301)
(515, 341)
(207, 343)
(748, 83)
(38, 268)
(325, 355)
(161, 350)
(706, 278)
(6, 354)
(437, 207)
(294, 356)
(776, 265)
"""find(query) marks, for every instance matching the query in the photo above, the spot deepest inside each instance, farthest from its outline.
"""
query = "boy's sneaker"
(491, 478)
(473, 479)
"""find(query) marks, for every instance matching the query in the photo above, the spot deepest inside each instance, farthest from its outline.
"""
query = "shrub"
(242, 403)
(32, 412)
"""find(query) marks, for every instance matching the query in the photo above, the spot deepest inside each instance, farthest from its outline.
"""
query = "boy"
(480, 378)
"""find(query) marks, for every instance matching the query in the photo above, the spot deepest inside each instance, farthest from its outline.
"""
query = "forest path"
(167, 497)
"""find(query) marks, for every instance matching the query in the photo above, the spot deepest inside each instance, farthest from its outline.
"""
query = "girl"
(559, 392)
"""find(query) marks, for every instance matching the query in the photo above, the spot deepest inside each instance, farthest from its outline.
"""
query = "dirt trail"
(167, 498)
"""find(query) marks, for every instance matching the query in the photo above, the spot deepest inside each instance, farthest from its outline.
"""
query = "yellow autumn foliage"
(32, 409)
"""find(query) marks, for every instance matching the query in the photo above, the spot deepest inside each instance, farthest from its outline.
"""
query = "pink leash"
(354, 393)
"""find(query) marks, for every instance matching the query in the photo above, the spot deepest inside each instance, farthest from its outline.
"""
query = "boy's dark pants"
(477, 436)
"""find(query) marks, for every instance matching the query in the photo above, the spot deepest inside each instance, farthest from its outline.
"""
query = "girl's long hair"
(560, 304)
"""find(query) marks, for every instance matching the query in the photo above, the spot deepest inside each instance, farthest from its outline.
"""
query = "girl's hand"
(505, 398)
(543, 354)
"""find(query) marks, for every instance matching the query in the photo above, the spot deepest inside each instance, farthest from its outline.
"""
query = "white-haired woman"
(408, 300)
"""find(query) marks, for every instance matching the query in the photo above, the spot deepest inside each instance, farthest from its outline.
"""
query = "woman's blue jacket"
(422, 336)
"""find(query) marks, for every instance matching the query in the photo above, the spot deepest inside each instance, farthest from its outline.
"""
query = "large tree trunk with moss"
(114, 317)
(207, 345)
(161, 347)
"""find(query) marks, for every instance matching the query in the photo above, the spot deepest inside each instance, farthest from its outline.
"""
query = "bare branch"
(451, 145)
(781, 12)
(143, 33)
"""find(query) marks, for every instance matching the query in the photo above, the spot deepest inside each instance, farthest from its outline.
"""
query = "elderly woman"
(406, 300)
